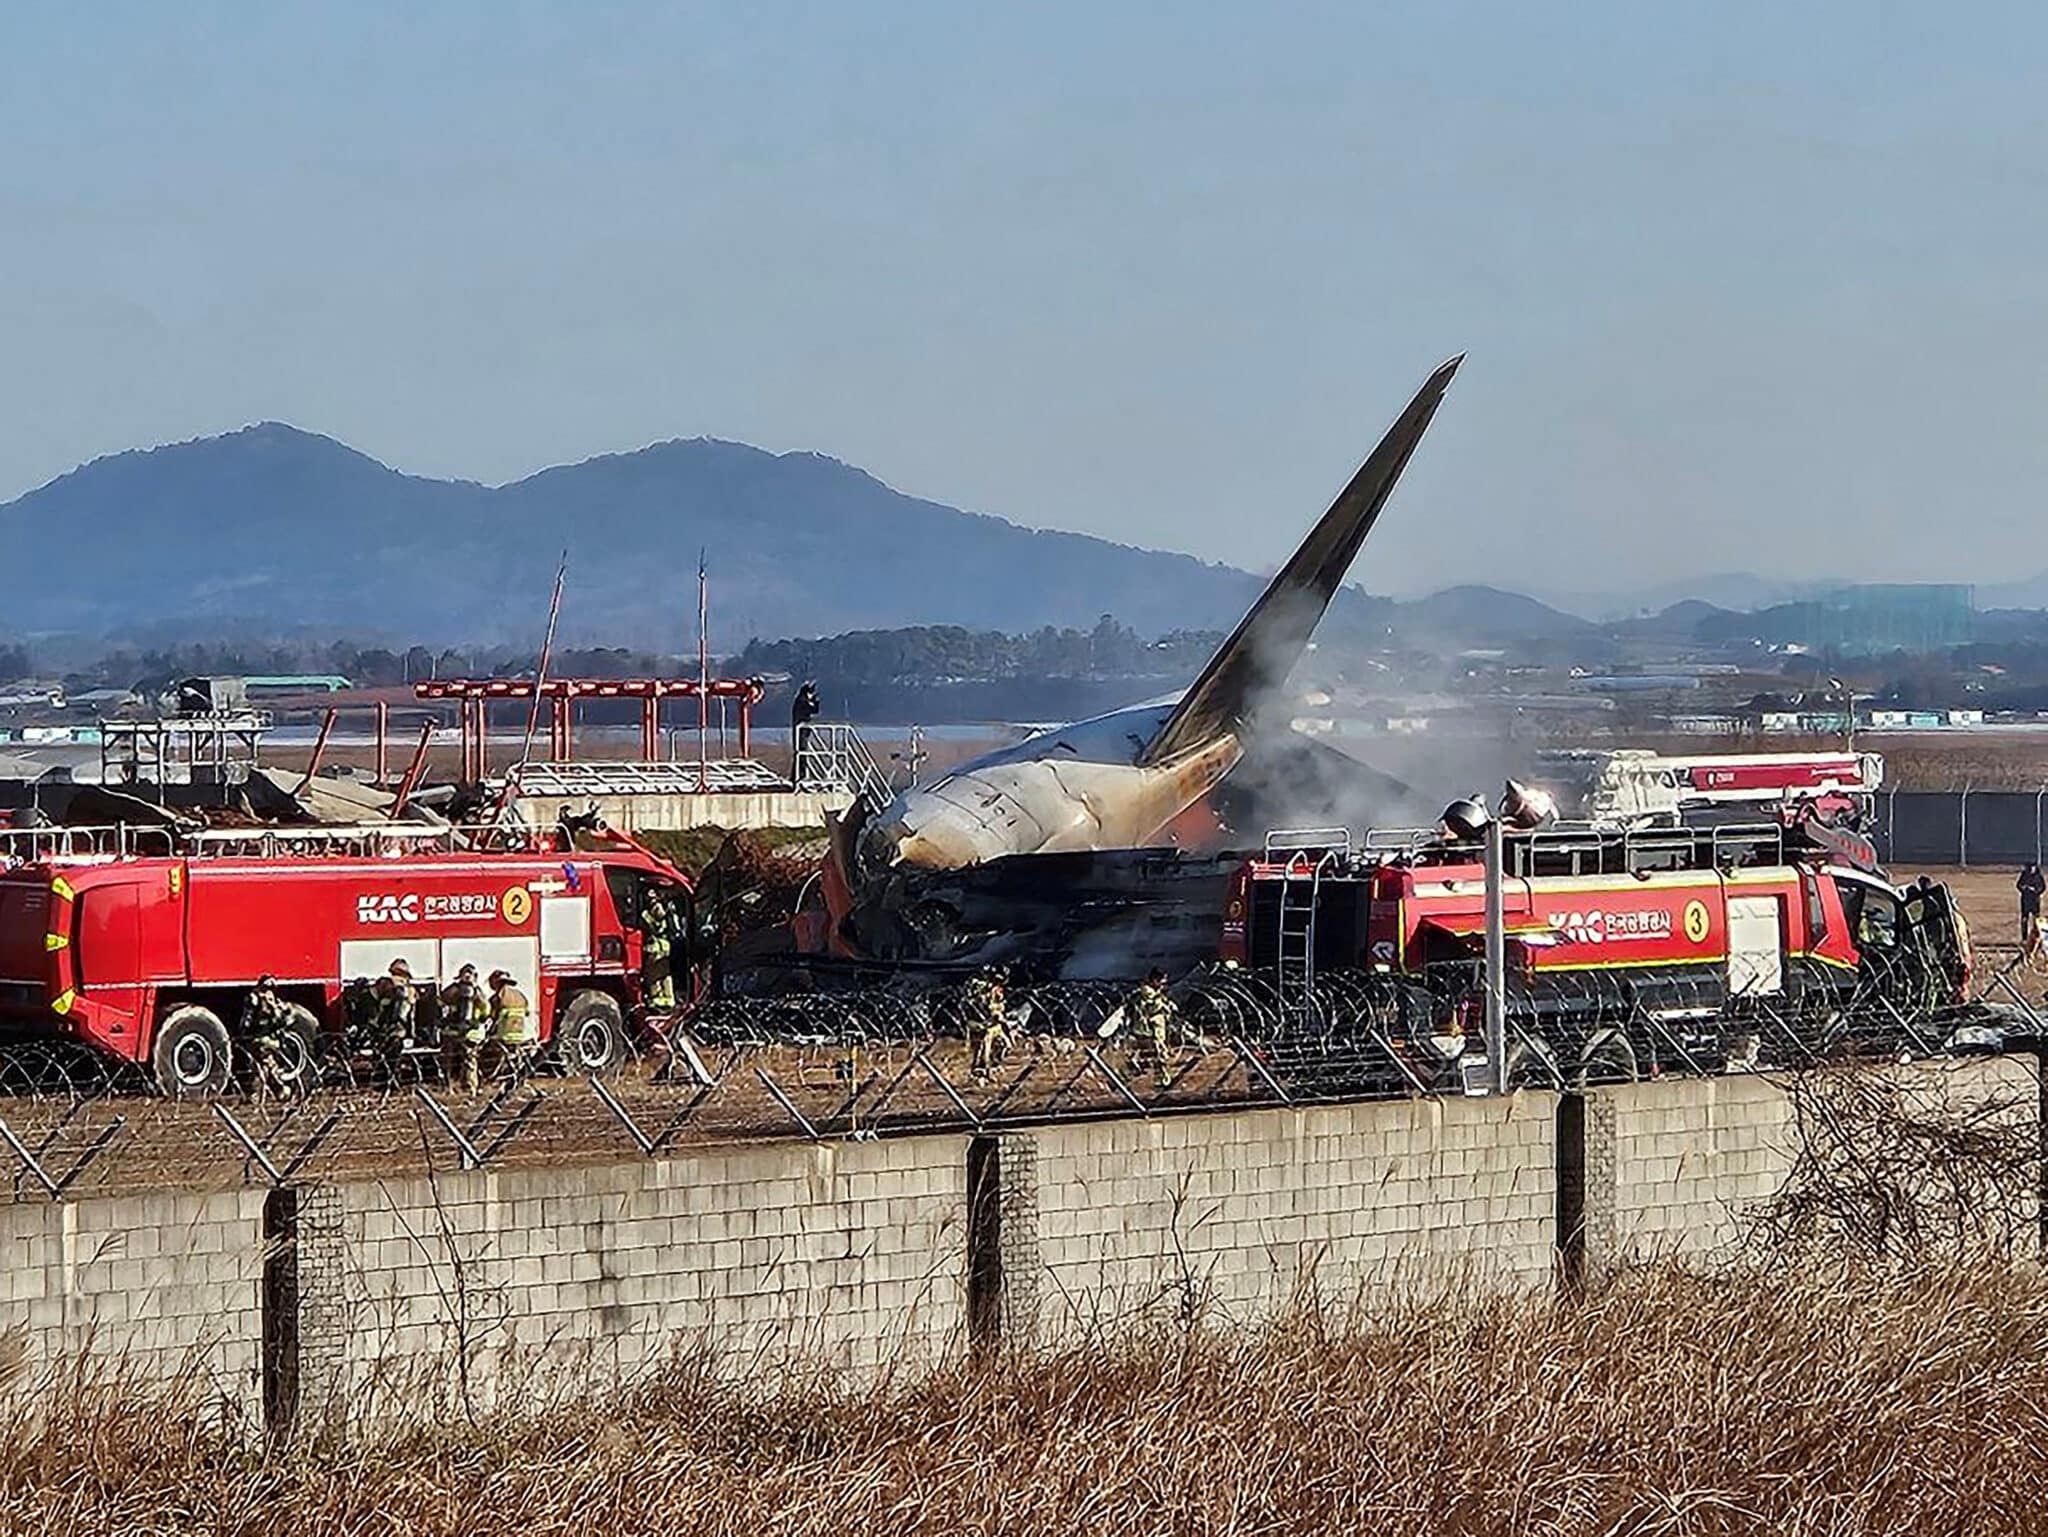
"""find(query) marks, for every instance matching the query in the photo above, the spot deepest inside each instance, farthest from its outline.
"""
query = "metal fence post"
(1496, 959)
(1963, 828)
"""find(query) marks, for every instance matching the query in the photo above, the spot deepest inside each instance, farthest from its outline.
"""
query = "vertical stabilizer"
(1270, 639)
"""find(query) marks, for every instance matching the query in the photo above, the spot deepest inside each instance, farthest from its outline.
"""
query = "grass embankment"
(1662, 1403)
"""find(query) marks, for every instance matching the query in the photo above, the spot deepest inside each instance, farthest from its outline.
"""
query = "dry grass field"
(1662, 1402)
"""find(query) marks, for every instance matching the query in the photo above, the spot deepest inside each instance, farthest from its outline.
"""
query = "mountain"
(1463, 617)
(1741, 590)
(274, 526)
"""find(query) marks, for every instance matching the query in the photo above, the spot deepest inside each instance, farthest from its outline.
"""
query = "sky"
(1742, 287)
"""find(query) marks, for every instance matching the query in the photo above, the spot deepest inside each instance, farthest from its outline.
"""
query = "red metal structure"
(151, 958)
(476, 695)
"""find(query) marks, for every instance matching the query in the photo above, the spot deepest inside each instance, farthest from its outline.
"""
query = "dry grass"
(1663, 1402)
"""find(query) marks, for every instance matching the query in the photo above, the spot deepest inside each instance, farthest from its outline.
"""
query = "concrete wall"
(155, 1287)
(1678, 1166)
(1680, 1170)
(847, 1255)
(1234, 1216)
(317, 1305)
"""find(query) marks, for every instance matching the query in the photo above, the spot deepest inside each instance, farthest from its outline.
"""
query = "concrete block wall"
(1681, 1170)
(1234, 1217)
(312, 1306)
(154, 1288)
(1676, 1167)
(846, 1255)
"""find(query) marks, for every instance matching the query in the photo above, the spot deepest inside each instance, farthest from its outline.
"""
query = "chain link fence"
(876, 1060)
(1960, 827)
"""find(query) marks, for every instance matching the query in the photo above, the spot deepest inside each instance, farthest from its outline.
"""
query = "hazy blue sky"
(1742, 286)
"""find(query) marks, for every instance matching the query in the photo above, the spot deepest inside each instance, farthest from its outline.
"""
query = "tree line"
(914, 654)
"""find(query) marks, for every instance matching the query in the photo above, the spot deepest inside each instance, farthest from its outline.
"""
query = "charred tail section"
(1270, 639)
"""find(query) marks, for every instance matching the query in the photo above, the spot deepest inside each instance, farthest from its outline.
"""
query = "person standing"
(2030, 886)
(1154, 1013)
(657, 945)
(266, 1022)
(513, 1027)
(987, 1011)
(465, 1022)
(397, 1010)
(803, 709)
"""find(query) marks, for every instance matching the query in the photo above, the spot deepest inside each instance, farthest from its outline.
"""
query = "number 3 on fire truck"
(516, 905)
(1696, 922)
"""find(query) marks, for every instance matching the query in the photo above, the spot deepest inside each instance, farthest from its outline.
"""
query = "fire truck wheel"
(193, 1057)
(298, 1051)
(591, 1034)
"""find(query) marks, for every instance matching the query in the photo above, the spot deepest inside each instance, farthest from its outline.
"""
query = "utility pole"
(703, 672)
(1496, 959)
(540, 673)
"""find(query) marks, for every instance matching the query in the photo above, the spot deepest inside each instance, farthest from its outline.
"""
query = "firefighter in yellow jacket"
(514, 1029)
(657, 970)
(1154, 1015)
(987, 1009)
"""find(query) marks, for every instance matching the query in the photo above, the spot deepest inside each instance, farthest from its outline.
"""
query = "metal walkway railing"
(830, 756)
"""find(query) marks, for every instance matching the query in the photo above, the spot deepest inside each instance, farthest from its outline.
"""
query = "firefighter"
(657, 940)
(465, 1023)
(266, 1021)
(1153, 1011)
(397, 1010)
(513, 1028)
(359, 1010)
(986, 1009)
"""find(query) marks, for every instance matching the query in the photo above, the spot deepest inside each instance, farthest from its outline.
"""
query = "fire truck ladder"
(1307, 853)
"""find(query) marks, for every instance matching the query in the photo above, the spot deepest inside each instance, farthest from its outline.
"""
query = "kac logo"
(389, 907)
(1587, 928)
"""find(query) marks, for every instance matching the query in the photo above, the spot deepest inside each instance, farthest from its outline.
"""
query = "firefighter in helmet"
(360, 1007)
(657, 943)
(266, 1022)
(987, 1011)
(465, 1025)
(397, 1010)
(514, 1029)
(1154, 1013)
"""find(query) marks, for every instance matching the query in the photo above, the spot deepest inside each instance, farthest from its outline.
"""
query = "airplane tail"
(1270, 639)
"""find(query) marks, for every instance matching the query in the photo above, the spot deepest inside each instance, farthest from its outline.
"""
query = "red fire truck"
(1624, 947)
(149, 957)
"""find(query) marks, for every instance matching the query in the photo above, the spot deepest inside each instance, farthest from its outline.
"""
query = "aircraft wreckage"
(1048, 849)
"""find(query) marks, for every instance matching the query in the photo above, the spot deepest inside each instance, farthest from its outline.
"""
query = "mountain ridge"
(311, 530)
(275, 524)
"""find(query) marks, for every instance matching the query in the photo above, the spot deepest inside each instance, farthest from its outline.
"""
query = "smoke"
(1369, 775)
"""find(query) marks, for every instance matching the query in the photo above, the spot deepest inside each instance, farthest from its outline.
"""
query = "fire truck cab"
(150, 957)
(1624, 947)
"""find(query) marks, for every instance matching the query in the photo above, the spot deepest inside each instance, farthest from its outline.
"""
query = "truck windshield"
(1873, 916)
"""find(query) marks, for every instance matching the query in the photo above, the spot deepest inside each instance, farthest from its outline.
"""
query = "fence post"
(1963, 828)
(305, 1315)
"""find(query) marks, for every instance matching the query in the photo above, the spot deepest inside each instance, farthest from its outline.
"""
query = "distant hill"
(1741, 590)
(275, 531)
(1462, 617)
(274, 526)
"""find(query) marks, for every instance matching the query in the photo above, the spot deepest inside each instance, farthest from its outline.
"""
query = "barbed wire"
(902, 1056)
